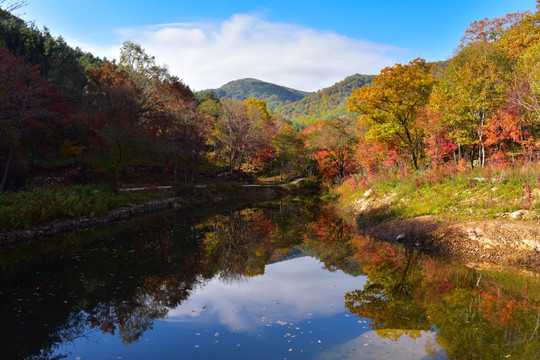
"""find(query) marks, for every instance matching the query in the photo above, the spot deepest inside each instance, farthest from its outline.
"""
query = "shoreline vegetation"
(481, 216)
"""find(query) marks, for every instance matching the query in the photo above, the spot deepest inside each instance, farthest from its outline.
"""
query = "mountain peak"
(274, 95)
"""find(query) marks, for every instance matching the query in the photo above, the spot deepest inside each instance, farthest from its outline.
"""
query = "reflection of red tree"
(330, 227)
(378, 254)
(435, 283)
(498, 308)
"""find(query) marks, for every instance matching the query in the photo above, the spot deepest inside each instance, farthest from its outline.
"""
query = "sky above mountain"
(306, 45)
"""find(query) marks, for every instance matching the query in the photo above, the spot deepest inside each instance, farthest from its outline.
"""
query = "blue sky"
(307, 45)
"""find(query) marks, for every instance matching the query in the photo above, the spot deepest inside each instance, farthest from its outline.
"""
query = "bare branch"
(12, 5)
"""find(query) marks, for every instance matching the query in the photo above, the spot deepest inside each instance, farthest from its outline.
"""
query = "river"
(287, 279)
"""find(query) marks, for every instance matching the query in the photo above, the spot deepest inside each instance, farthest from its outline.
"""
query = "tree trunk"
(415, 160)
(10, 155)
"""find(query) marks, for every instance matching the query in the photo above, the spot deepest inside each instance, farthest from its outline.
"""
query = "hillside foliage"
(85, 119)
(325, 104)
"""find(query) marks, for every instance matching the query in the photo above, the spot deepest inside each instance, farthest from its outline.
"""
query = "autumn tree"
(141, 66)
(23, 105)
(472, 86)
(491, 30)
(526, 93)
(242, 133)
(146, 76)
(332, 142)
(259, 148)
(438, 146)
(230, 133)
(290, 154)
(114, 115)
(522, 35)
(391, 105)
(185, 129)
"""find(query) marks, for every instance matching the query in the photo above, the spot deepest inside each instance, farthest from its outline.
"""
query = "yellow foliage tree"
(472, 86)
(392, 104)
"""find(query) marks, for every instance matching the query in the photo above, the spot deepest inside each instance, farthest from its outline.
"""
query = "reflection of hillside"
(282, 256)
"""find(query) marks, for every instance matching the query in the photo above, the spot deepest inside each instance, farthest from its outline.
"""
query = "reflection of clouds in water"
(373, 347)
(289, 291)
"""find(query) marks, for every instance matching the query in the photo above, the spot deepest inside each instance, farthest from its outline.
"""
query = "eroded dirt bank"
(497, 241)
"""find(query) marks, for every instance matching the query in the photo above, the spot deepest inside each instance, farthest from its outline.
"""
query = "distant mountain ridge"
(301, 107)
(274, 95)
(326, 103)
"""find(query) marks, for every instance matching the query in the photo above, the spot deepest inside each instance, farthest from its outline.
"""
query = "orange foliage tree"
(332, 142)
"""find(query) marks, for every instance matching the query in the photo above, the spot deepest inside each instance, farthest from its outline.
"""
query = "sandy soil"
(498, 241)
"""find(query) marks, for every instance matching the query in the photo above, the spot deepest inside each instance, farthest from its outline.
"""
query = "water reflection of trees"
(117, 284)
(328, 238)
(120, 280)
(476, 315)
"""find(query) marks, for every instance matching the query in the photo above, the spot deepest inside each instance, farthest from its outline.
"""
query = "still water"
(279, 280)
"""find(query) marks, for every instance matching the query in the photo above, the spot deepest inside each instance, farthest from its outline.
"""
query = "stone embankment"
(12, 238)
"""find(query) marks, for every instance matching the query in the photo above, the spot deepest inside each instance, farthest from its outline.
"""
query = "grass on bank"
(448, 193)
(26, 209)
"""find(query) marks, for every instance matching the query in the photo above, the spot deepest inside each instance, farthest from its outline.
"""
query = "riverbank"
(18, 237)
(140, 202)
(477, 218)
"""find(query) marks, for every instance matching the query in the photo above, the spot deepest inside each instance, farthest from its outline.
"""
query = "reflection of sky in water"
(289, 291)
(294, 311)
(370, 346)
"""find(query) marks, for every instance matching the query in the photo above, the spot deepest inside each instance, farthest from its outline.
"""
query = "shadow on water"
(121, 279)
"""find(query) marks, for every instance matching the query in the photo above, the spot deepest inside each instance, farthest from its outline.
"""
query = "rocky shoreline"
(496, 241)
(501, 242)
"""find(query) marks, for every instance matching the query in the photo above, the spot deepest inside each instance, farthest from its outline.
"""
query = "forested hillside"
(64, 107)
(61, 65)
(324, 104)
(274, 95)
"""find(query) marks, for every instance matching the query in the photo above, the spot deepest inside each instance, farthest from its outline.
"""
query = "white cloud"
(207, 55)
(289, 291)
